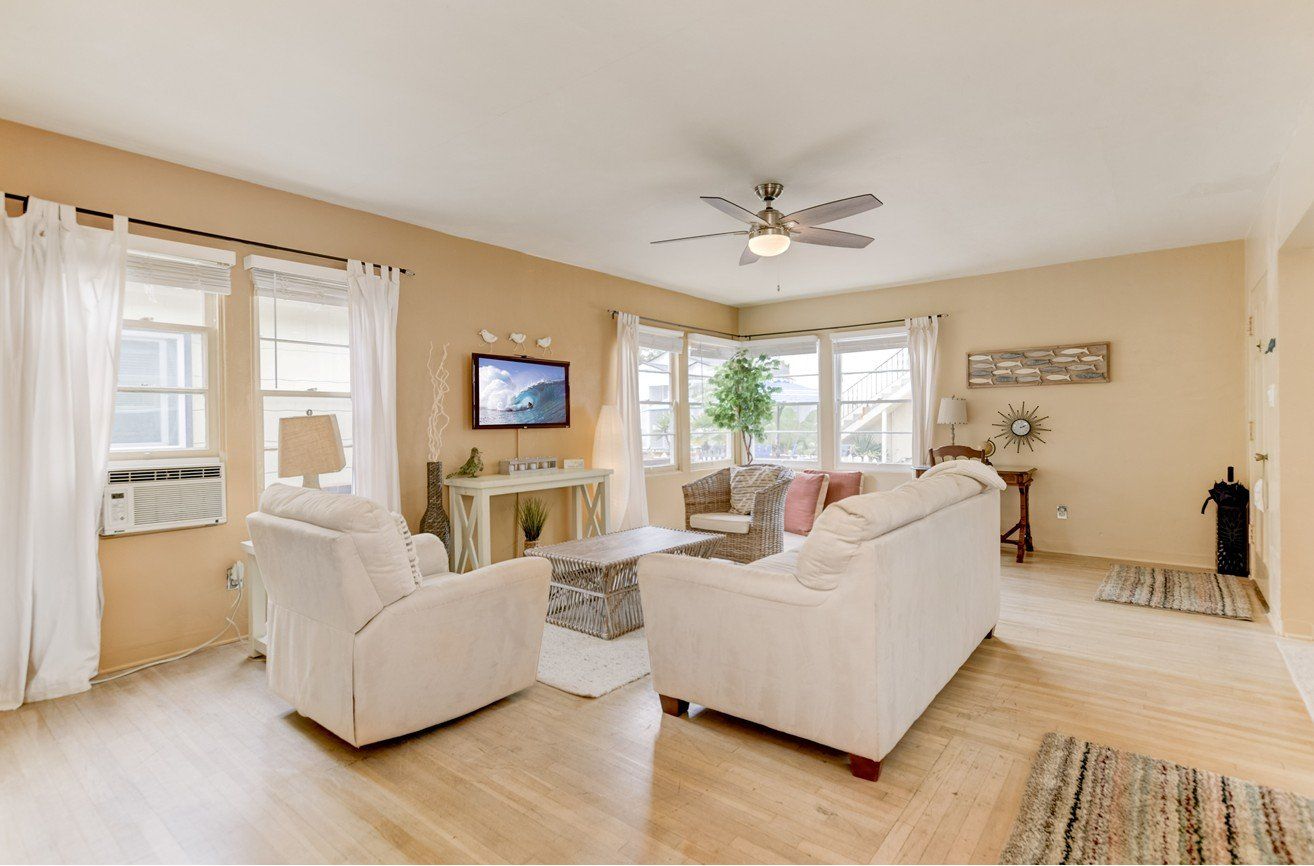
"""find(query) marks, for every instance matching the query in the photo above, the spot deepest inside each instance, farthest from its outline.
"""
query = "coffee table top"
(620, 546)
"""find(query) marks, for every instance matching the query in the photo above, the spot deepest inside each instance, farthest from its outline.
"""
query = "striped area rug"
(1170, 589)
(1091, 804)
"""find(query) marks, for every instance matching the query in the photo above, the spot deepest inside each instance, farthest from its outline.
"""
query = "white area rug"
(1300, 661)
(589, 666)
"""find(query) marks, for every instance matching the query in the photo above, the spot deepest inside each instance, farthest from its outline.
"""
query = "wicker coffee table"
(595, 586)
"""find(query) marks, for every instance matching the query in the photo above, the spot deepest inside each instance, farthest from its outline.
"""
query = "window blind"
(300, 287)
(661, 339)
(713, 348)
(869, 341)
(803, 345)
(179, 273)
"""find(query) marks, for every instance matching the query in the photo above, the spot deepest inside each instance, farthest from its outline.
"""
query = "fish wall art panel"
(1068, 364)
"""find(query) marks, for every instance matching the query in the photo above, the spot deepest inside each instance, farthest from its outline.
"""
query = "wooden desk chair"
(956, 452)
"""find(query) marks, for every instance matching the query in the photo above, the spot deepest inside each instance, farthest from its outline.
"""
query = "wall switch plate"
(1062, 512)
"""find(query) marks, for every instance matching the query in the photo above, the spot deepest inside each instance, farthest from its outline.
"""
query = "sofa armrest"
(432, 554)
(685, 575)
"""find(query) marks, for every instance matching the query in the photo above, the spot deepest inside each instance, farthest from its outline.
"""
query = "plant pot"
(435, 515)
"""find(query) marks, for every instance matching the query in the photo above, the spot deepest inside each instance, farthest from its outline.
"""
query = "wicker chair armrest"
(707, 494)
(769, 507)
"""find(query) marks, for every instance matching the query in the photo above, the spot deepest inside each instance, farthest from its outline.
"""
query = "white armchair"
(846, 640)
(363, 648)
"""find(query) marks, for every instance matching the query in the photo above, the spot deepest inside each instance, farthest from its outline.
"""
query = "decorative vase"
(435, 515)
(530, 544)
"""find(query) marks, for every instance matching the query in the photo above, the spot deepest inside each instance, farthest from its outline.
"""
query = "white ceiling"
(999, 134)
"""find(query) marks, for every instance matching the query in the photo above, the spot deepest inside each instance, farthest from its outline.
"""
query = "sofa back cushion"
(371, 527)
(841, 484)
(844, 526)
(804, 501)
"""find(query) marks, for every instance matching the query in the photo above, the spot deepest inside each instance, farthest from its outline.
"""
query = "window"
(659, 352)
(791, 434)
(707, 442)
(873, 406)
(305, 360)
(164, 402)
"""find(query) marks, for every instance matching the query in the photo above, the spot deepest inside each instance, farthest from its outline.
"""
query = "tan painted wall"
(164, 591)
(1132, 459)
(1295, 331)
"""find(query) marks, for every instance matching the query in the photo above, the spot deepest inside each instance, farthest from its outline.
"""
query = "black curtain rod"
(699, 330)
(200, 234)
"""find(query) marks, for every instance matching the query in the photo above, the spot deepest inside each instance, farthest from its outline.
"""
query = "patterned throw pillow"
(412, 557)
(746, 482)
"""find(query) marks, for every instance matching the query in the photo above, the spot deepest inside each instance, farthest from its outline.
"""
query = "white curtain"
(923, 332)
(629, 488)
(372, 311)
(61, 307)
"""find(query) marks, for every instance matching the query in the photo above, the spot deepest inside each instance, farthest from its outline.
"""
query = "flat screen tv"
(514, 392)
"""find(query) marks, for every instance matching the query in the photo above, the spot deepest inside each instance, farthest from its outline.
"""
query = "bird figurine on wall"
(488, 336)
(517, 338)
(545, 343)
(471, 467)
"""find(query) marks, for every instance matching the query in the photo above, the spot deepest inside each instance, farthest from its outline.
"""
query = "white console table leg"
(482, 533)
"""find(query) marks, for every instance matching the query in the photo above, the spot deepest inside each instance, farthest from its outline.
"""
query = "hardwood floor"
(197, 761)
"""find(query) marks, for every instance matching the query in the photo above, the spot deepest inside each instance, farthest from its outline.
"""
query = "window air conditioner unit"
(150, 495)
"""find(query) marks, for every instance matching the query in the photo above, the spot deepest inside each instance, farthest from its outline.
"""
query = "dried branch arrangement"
(438, 417)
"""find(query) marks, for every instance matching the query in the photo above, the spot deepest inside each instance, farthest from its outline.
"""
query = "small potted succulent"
(532, 514)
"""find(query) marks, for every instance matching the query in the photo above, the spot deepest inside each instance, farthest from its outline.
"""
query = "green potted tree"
(739, 397)
(532, 514)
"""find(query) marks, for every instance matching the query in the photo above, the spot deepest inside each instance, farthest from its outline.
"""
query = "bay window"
(792, 434)
(659, 353)
(873, 398)
(707, 442)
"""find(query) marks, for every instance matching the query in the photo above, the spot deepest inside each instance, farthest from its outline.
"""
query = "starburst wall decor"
(1021, 426)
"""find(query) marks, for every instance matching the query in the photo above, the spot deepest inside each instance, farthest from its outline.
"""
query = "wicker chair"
(766, 532)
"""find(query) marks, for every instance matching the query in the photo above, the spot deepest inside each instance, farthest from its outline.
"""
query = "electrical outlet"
(1062, 512)
(235, 576)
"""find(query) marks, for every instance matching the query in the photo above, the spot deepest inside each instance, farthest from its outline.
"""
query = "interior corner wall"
(165, 591)
(1133, 458)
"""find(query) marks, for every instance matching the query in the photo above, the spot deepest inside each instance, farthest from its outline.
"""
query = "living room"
(682, 570)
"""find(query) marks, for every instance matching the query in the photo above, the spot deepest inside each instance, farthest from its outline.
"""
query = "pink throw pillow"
(804, 500)
(842, 484)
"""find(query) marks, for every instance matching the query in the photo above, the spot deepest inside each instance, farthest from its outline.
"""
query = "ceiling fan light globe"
(769, 243)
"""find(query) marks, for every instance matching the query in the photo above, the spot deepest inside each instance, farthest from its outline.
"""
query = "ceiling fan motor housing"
(769, 191)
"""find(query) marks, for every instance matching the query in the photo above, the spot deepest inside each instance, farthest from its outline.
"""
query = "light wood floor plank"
(198, 761)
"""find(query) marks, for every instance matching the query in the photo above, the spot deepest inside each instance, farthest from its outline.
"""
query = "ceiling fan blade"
(830, 238)
(696, 237)
(729, 208)
(834, 210)
(748, 257)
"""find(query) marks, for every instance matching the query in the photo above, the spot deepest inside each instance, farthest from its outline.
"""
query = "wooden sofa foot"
(864, 768)
(674, 706)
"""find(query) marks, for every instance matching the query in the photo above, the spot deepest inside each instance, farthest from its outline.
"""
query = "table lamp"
(308, 445)
(953, 411)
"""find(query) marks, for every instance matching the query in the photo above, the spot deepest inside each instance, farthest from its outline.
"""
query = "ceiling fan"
(770, 232)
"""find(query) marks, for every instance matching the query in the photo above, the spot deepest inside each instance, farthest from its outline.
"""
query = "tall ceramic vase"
(435, 515)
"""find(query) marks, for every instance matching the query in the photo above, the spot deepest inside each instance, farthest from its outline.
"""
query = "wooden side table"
(1021, 478)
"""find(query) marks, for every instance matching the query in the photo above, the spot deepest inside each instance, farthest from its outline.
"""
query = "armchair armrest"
(687, 576)
(769, 502)
(708, 494)
(431, 552)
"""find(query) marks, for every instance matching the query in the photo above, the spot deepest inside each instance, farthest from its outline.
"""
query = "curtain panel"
(61, 309)
(923, 334)
(372, 302)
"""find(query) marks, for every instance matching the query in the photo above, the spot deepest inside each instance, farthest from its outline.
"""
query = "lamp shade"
(953, 410)
(309, 445)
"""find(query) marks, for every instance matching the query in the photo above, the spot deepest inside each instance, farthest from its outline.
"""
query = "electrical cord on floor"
(229, 622)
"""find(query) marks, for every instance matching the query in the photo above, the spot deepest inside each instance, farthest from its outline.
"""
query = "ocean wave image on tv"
(521, 393)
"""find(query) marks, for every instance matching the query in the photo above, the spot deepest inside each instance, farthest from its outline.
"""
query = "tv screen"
(520, 392)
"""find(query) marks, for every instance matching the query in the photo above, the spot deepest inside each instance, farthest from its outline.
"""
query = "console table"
(1021, 478)
(470, 497)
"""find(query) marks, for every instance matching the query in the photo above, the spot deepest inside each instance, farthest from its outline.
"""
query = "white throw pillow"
(412, 558)
(746, 482)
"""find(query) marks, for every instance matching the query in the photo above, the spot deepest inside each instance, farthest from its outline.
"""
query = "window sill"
(881, 468)
(658, 471)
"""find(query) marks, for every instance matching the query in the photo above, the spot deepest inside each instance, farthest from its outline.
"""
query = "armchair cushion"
(747, 481)
(721, 522)
(370, 526)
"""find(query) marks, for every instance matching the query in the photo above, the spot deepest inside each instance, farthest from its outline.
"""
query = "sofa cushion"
(371, 527)
(785, 562)
(841, 483)
(714, 521)
(835, 537)
(804, 501)
(747, 481)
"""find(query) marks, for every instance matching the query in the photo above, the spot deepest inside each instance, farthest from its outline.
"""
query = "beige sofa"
(846, 639)
(373, 644)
